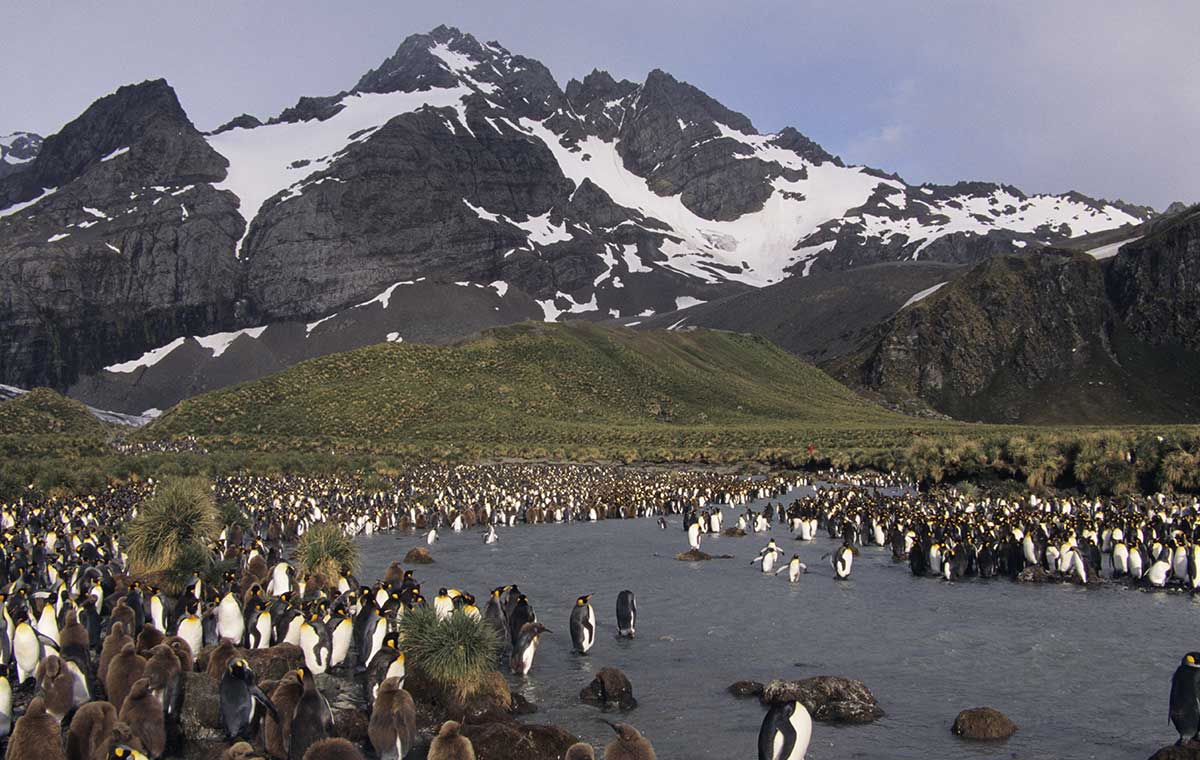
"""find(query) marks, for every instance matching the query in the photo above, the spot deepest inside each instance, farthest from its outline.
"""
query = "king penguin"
(785, 732)
(626, 614)
(1185, 697)
(242, 703)
(525, 647)
(583, 624)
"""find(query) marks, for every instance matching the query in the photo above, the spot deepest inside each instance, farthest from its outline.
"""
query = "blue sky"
(1092, 95)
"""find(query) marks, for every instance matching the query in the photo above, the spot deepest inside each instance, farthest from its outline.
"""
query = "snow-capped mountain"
(455, 161)
(17, 151)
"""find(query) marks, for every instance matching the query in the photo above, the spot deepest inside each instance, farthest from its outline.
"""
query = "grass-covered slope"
(537, 385)
(44, 412)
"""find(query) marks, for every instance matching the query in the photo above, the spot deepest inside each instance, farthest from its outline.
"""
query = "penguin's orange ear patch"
(1191, 660)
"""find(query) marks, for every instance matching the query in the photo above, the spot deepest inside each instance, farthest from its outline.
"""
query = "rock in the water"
(418, 556)
(693, 555)
(829, 699)
(517, 741)
(983, 724)
(733, 532)
(609, 689)
(1189, 751)
(746, 689)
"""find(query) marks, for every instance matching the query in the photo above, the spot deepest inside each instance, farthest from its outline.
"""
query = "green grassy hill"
(547, 386)
(44, 412)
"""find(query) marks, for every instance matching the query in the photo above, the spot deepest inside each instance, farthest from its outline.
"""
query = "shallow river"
(1084, 673)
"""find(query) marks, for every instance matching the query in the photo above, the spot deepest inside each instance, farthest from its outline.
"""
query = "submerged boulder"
(983, 724)
(746, 689)
(418, 555)
(609, 689)
(1035, 574)
(830, 699)
(1188, 751)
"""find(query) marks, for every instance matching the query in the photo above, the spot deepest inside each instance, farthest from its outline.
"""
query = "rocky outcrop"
(17, 151)
(518, 741)
(1187, 751)
(1155, 282)
(418, 555)
(746, 689)
(983, 724)
(1053, 337)
(830, 699)
(610, 689)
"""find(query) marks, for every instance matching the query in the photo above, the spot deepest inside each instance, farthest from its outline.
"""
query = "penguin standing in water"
(521, 614)
(626, 614)
(768, 556)
(785, 733)
(243, 704)
(493, 612)
(842, 560)
(795, 568)
(525, 648)
(1185, 698)
(583, 624)
(693, 533)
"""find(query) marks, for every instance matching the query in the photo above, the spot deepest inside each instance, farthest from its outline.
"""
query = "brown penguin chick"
(629, 744)
(164, 674)
(333, 749)
(218, 659)
(580, 751)
(124, 669)
(394, 574)
(449, 744)
(73, 638)
(35, 737)
(56, 685)
(114, 642)
(183, 651)
(393, 726)
(143, 713)
(120, 734)
(241, 751)
(91, 726)
(122, 613)
(256, 570)
(276, 733)
(149, 638)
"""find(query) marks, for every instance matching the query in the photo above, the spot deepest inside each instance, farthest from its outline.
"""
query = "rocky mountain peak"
(146, 115)
(17, 151)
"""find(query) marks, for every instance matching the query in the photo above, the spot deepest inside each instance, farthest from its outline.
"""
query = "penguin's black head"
(583, 600)
(1191, 660)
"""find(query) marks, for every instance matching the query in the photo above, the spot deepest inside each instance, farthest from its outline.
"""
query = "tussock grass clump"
(179, 520)
(325, 549)
(458, 653)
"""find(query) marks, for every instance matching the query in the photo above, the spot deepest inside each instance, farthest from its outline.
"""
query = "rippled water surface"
(1084, 673)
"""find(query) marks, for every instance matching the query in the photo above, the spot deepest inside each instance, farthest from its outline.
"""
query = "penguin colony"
(1148, 541)
(86, 648)
(105, 654)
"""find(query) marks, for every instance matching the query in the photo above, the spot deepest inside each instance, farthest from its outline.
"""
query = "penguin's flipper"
(258, 696)
(48, 642)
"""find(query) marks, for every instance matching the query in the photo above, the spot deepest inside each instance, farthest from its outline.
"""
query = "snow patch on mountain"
(218, 342)
(1110, 250)
(148, 359)
(268, 159)
(921, 296)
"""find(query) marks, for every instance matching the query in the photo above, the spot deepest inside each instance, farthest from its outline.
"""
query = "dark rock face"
(830, 699)
(1053, 337)
(1155, 283)
(129, 252)
(609, 689)
(17, 152)
(983, 724)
